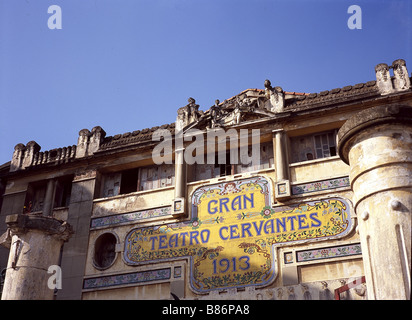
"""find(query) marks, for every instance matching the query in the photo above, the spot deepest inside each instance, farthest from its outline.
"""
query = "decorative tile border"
(177, 272)
(326, 253)
(124, 218)
(321, 185)
(288, 257)
(125, 279)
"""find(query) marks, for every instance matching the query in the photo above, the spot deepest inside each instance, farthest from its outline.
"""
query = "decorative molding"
(126, 279)
(320, 185)
(127, 218)
(328, 252)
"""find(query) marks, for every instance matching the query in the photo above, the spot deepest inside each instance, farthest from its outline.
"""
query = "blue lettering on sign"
(232, 265)
(223, 205)
(223, 202)
(211, 210)
(236, 231)
(245, 228)
(312, 216)
(221, 233)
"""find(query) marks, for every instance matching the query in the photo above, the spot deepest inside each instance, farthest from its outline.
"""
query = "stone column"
(35, 246)
(180, 168)
(280, 156)
(377, 144)
(48, 199)
(178, 207)
(281, 165)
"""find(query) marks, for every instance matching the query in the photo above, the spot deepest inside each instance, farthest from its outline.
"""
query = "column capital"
(21, 223)
(281, 130)
(368, 118)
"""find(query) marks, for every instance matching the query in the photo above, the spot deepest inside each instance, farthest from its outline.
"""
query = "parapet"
(89, 141)
(29, 155)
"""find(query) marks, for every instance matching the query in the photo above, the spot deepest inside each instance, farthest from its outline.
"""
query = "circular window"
(105, 250)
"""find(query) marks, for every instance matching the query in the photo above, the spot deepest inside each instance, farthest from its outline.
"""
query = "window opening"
(129, 179)
(313, 146)
(105, 250)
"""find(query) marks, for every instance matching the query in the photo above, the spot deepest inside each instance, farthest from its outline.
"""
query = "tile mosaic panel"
(326, 253)
(231, 238)
(131, 217)
(321, 185)
(125, 279)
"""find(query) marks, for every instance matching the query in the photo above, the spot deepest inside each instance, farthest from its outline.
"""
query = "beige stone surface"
(380, 157)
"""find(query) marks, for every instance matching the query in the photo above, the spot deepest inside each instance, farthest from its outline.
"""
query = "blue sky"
(128, 65)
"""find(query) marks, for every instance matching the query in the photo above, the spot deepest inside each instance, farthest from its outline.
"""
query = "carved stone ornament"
(215, 114)
(230, 113)
(402, 81)
(275, 96)
(383, 78)
(188, 114)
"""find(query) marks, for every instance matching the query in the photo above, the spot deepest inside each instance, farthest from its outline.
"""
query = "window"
(138, 179)
(129, 179)
(36, 194)
(63, 190)
(209, 171)
(266, 159)
(224, 169)
(105, 250)
(314, 146)
(154, 177)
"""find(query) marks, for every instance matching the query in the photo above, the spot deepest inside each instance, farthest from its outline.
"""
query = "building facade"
(267, 195)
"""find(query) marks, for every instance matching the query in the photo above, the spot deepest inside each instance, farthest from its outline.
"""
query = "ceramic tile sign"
(234, 229)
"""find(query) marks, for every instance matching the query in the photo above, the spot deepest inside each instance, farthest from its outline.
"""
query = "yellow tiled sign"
(233, 232)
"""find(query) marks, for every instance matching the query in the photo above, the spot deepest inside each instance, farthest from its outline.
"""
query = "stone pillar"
(48, 199)
(178, 205)
(35, 246)
(180, 174)
(281, 164)
(280, 160)
(377, 144)
(180, 183)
